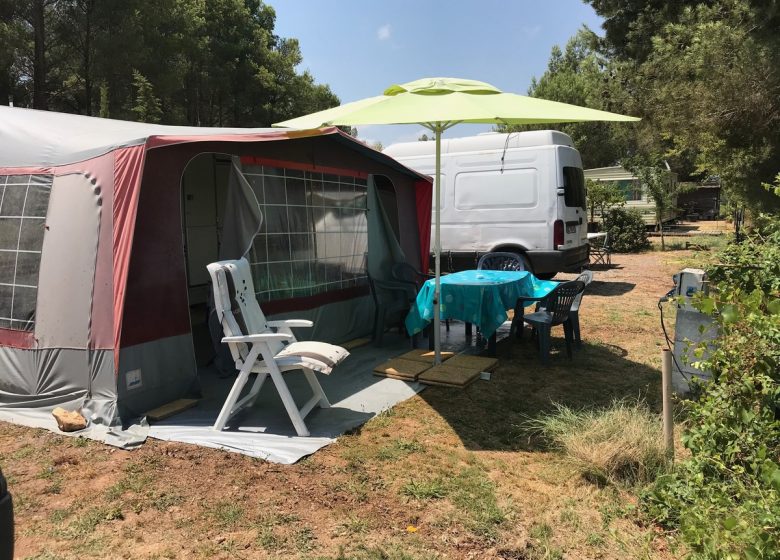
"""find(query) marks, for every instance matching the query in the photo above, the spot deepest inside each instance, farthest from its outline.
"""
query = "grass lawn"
(447, 474)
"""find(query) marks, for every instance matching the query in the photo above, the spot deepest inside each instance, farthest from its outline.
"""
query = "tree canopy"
(581, 75)
(197, 62)
(705, 77)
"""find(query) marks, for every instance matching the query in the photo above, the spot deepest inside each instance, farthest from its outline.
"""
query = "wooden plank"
(398, 368)
(168, 410)
(449, 376)
(425, 356)
(355, 343)
(477, 362)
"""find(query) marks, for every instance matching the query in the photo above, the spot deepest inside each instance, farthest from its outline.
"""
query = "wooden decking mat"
(355, 343)
(477, 362)
(398, 368)
(168, 410)
(449, 376)
(425, 356)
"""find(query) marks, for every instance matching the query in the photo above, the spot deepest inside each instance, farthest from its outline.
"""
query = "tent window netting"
(24, 200)
(314, 235)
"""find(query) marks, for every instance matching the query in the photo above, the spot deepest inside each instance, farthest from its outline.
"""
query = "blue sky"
(359, 47)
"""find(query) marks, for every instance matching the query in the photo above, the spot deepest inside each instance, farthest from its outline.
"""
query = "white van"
(521, 192)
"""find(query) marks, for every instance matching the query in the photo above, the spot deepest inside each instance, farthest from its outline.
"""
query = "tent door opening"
(204, 194)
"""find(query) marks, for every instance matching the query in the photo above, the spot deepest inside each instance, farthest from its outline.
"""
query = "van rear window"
(574, 187)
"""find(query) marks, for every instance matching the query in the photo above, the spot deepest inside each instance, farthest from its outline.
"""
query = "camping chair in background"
(556, 312)
(501, 261)
(392, 301)
(504, 261)
(574, 312)
(600, 251)
(267, 348)
(405, 272)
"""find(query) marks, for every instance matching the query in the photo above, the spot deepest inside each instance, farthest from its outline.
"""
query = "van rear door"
(571, 206)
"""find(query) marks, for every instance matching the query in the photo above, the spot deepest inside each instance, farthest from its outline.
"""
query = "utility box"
(691, 328)
(687, 283)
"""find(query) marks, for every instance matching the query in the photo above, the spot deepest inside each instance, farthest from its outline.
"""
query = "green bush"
(626, 229)
(725, 499)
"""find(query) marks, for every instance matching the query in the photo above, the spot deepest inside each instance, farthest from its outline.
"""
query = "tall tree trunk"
(5, 84)
(40, 95)
(89, 7)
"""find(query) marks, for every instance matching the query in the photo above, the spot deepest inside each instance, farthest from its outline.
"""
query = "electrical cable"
(503, 154)
(669, 340)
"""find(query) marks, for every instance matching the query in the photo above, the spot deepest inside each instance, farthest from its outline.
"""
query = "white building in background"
(636, 195)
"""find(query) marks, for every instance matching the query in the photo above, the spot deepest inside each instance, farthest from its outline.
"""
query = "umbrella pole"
(438, 128)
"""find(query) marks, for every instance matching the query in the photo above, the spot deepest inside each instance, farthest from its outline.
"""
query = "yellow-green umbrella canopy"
(438, 104)
(450, 100)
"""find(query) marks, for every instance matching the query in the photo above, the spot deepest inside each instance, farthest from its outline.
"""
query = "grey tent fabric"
(32, 138)
(75, 211)
(102, 270)
(383, 248)
(245, 216)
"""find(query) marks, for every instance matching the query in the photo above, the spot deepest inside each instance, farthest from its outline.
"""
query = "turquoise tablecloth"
(481, 297)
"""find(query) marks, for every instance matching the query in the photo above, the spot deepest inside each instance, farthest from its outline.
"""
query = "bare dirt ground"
(448, 474)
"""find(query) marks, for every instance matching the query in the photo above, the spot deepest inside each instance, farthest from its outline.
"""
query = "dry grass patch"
(620, 444)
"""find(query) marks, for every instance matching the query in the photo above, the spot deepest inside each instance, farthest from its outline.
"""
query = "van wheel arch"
(519, 251)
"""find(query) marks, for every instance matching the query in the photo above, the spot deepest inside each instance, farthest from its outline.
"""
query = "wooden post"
(666, 393)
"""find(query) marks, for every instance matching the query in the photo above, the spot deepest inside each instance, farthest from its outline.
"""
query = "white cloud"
(383, 33)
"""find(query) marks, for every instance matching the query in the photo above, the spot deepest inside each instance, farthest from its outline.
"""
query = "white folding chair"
(267, 348)
(601, 251)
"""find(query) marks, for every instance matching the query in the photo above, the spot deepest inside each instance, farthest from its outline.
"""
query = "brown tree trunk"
(40, 95)
(88, 9)
(5, 85)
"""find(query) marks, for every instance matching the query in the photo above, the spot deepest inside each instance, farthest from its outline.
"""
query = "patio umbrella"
(439, 104)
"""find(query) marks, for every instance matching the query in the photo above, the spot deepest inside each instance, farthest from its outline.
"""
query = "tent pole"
(438, 129)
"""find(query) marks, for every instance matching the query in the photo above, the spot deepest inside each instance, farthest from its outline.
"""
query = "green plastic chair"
(556, 310)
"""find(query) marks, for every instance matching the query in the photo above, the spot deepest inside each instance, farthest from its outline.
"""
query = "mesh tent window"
(314, 235)
(24, 200)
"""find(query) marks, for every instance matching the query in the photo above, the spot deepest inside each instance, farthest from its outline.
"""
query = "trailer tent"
(106, 227)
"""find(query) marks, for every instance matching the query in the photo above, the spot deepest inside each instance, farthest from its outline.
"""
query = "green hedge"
(725, 499)
(627, 230)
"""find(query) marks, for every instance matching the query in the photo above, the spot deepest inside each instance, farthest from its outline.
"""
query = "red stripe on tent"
(27, 171)
(17, 339)
(127, 180)
(423, 194)
(310, 302)
(252, 160)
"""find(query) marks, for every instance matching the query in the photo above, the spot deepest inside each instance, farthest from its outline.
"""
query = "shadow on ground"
(603, 267)
(493, 415)
(611, 288)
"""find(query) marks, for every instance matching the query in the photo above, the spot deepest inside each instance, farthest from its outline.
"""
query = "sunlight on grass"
(474, 494)
(425, 490)
(619, 444)
(226, 513)
(399, 448)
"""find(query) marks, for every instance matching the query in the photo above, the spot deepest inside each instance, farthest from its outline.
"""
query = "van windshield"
(574, 187)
